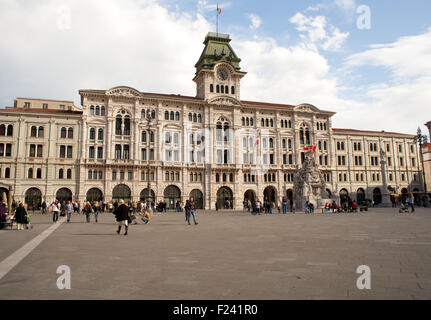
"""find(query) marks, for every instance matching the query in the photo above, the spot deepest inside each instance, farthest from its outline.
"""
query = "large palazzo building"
(132, 145)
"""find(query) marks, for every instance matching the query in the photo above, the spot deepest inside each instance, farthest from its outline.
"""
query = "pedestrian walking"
(55, 210)
(69, 209)
(122, 217)
(284, 206)
(190, 210)
(20, 214)
(87, 211)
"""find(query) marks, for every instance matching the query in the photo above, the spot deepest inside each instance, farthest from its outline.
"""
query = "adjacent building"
(132, 145)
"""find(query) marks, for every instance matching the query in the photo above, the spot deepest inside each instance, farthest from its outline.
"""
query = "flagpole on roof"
(217, 19)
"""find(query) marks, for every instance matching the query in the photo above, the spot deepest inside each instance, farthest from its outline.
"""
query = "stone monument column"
(386, 199)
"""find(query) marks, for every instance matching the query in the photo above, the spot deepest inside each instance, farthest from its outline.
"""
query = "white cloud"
(109, 43)
(142, 44)
(406, 57)
(347, 5)
(256, 21)
(318, 33)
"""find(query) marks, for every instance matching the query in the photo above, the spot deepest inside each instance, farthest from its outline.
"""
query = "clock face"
(223, 74)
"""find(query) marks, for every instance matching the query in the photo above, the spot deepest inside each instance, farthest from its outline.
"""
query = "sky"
(368, 61)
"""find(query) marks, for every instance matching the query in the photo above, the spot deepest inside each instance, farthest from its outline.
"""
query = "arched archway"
(94, 194)
(121, 192)
(33, 198)
(224, 194)
(329, 193)
(250, 195)
(172, 194)
(377, 196)
(344, 195)
(148, 194)
(360, 196)
(289, 195)
(198, 196)
(4, 193)
(269, 194)
(64, 194)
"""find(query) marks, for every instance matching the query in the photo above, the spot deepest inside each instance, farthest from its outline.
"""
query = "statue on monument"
(309, 184)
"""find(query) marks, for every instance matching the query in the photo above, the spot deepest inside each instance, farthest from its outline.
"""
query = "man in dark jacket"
(122, 216)
(20, 214)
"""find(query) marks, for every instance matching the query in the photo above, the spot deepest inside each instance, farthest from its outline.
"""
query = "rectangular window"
(121, 175)
(114, 175)
(39, 151)
(144, 154)
(62, 107)
(130, 175)
(219, 156)
(99, 153)
(45, 106)
(152, 154)
(176, 156)
(69, 152)
(62, 151)
(32, 153)
(91, 153)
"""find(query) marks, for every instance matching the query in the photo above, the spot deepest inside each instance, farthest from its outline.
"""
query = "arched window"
(30, 173)
(92, 110)
(151, 136)
(70, 133)
(10, 130)
(97, 110)
(307, 136)
(232, 90)
(90, 174)
(271, 122)
(144, 136)
(217, 177)
(226, 90)
(267, 122)
(100, 134)
(126, 125)
(40, 132)
(102, 111)
(153, 114)
(69, 174)
(118, 123)
(39, 173)
(263, 122)
(195, 117)
(271, 143)
(166, 115)
(290, 124)
(284, 143)
(251, 122)
(301, 135)
(222, 89)
(211, 87)
(282, 123)
(289, 143)
(92, 134)
(143, 114)
(218, 89)
(63, 132)
(2, 130)
(33, 132)
(7, 173)
(172, 116)
(61, 174)
(190, 117)
(177, 116)
(199, 118)
(247, 121)
(243, 121)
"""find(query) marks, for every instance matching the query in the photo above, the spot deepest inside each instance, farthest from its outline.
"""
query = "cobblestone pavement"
(226, 256)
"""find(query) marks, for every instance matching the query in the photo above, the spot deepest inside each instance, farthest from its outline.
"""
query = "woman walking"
(20, 214)
(55, 210)
(122, 217)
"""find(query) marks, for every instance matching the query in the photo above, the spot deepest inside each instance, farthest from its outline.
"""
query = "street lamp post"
(421, 140)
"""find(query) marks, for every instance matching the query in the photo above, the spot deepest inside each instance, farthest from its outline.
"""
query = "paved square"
(227, 256)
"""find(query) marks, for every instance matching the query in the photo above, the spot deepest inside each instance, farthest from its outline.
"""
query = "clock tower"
(218, 73)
